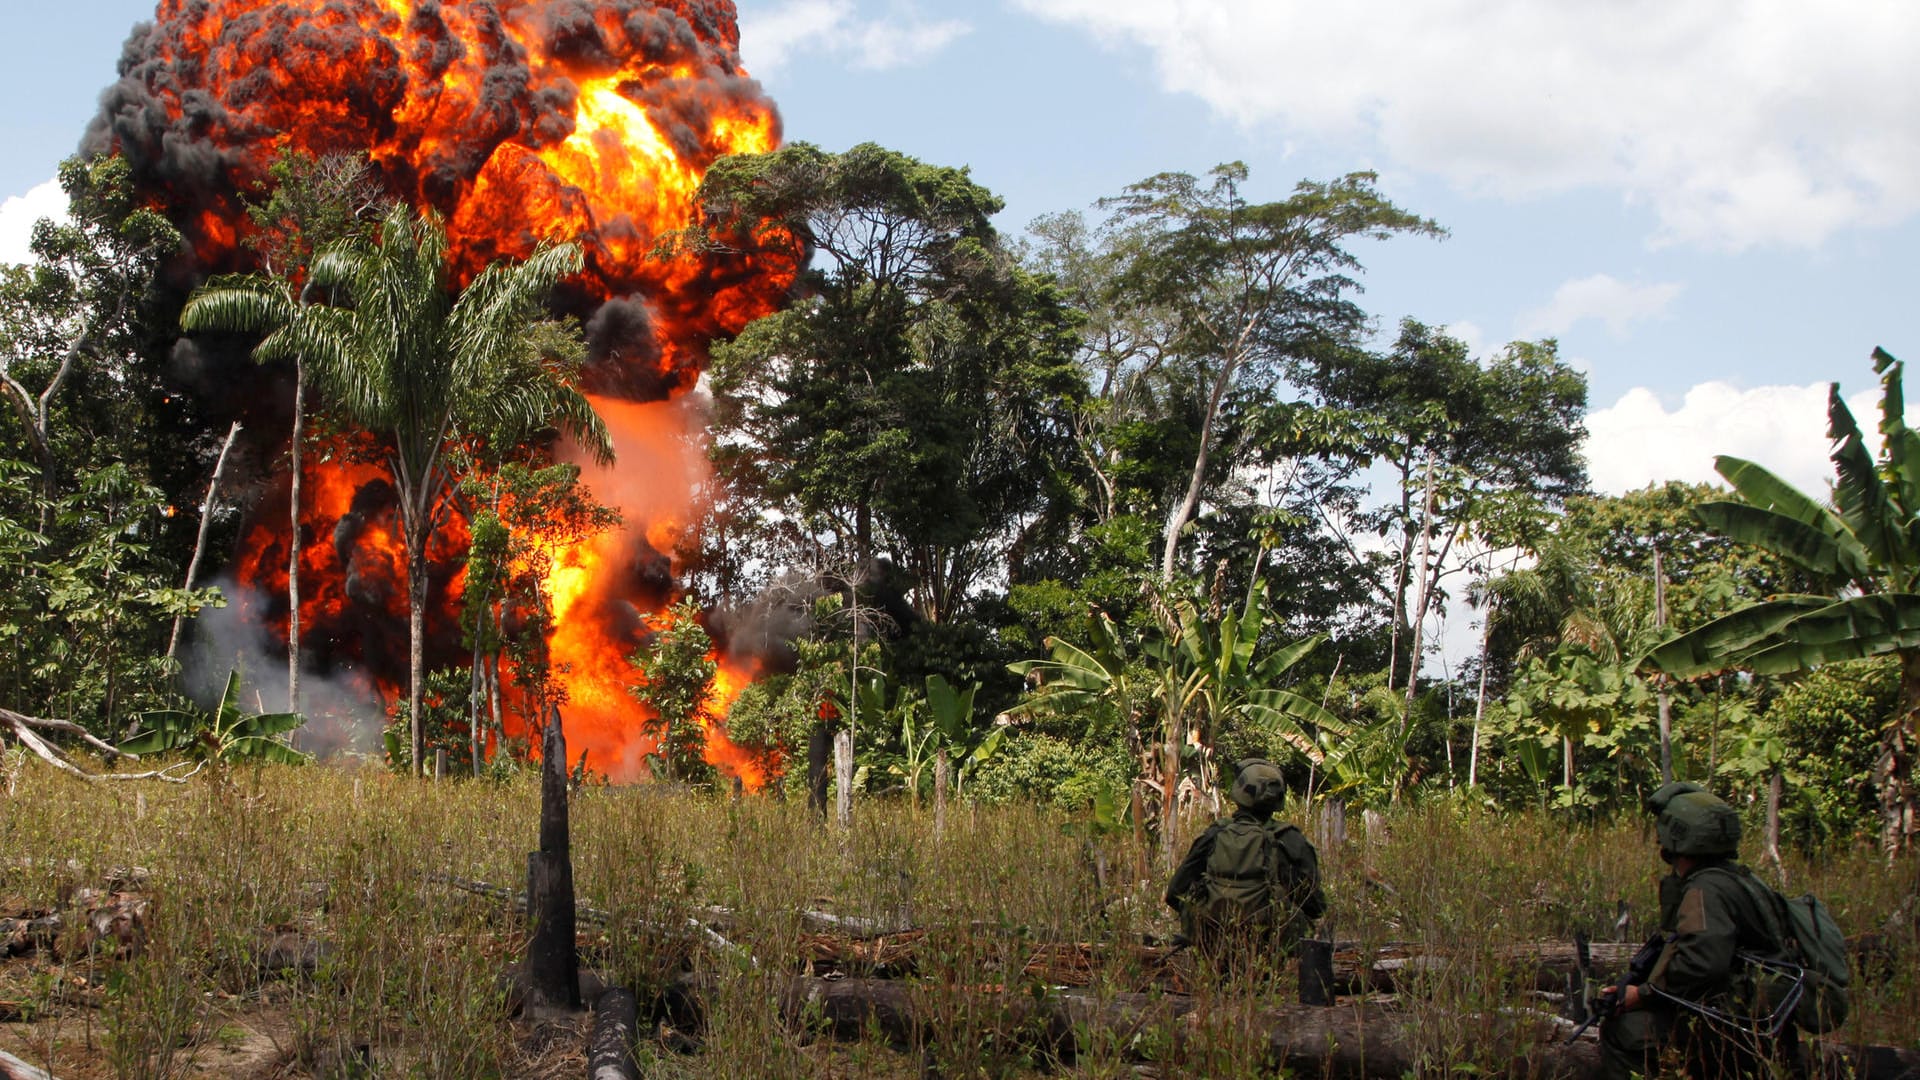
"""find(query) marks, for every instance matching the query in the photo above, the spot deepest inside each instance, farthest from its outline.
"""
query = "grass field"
(409, 983)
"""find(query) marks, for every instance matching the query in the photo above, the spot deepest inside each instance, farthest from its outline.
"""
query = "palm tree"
(421, 364)
(1865, 548)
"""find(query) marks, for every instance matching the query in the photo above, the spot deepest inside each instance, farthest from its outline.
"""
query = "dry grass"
(411, 983)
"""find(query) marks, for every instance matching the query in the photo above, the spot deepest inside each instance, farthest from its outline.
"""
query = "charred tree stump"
(553, 956)
(616, 1026)
(819, 760)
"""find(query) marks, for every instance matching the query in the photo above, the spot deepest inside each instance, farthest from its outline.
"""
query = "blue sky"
(1711, 204)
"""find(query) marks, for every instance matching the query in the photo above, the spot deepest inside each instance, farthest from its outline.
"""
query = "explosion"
(519, 121)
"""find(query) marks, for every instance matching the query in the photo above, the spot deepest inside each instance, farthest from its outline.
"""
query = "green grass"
(413, 972)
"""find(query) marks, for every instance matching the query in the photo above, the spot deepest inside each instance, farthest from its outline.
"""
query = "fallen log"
(26, 731)
(1353, 1040)
(12, 1068)
(616, 1024)
(1349, 1041)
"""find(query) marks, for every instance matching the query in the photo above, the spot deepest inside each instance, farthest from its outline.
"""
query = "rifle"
(1637, 971)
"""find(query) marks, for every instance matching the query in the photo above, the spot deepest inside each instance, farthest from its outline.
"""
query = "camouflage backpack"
(1812, 942)
(1815, 941)
(1256, 873)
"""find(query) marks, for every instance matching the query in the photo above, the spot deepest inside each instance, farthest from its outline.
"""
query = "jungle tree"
(911, 402)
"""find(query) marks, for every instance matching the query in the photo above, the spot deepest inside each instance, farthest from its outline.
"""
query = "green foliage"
(446, 712)
(1065, 773)
(676, 668)
(226, 735)
(1827, 726)
(84, 617)
(913, 402)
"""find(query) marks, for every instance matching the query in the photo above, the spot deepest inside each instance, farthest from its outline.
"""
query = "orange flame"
(520, 121)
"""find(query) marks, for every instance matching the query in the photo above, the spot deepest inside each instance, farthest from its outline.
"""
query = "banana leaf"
(1721, 644)
(1859, 494)
(1810, 547)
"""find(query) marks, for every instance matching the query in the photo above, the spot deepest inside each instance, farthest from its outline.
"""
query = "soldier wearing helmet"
(1700, 996)
(1249, 886)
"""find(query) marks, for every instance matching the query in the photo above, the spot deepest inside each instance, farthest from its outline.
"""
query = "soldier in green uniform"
(1249, 888)
(1700, 997)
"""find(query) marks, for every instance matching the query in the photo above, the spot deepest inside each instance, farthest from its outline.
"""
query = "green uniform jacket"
(1715, 911)
(1189, 881)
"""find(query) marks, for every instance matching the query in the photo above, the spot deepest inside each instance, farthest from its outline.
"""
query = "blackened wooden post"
(819, 760)
(553, 957)
(1316, 972)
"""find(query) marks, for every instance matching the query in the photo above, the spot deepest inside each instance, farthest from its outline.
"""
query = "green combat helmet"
(1698, 824)
(1258, 786)
(1657, 802)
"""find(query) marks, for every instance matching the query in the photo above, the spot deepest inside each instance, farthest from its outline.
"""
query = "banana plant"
(952, 721)
(224, 735)
(1865, 548)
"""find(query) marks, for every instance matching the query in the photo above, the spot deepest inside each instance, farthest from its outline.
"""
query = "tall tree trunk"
(1426, 588)
(1196, 480)
(1400, 576)
(476, 686)
(417, 643)
(200, 540)
(843, 777)
(1480, 703)
(1665, 698)
(293, 542)
(1774, 783)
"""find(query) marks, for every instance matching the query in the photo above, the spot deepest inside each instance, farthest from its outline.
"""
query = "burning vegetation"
(519, 122)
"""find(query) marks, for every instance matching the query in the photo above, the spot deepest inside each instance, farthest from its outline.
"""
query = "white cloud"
(18, 214)
(1469, 334)
(1600, 297)
(1637, 441)
(772, 36)
(1739, 122)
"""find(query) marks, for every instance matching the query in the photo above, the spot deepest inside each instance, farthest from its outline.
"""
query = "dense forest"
(1077, 516)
